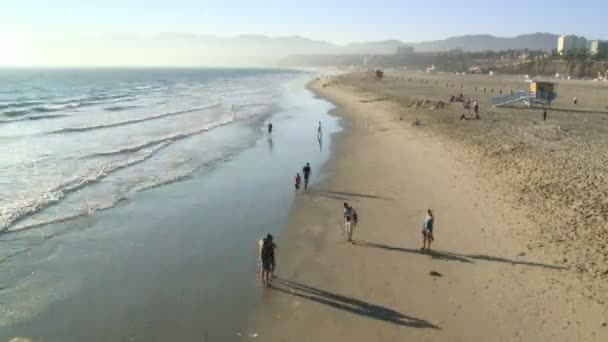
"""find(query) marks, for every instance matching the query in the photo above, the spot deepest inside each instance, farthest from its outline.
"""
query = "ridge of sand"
(483, 283)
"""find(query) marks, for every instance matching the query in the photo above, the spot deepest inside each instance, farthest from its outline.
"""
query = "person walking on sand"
(544, 114)
(306, 170)
(476, 109)
(270, 128)
(427, 230)
(298, 181)
(319, 132)
(350, 221)
(268, 259)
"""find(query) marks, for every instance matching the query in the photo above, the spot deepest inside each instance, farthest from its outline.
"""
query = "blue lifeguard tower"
(541, 94)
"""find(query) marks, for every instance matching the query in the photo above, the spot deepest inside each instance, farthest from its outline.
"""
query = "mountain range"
(171, 49)
(300, 45)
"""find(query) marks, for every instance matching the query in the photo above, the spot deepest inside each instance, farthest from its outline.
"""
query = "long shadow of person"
(460, 257)
(350, 304)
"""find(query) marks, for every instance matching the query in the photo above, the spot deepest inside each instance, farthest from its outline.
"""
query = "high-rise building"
(571, 43)
(599, 47)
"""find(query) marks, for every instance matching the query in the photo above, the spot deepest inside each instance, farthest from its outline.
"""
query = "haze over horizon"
(134, 32)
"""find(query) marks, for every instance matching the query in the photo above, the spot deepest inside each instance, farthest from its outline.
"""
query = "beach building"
(405, 50)
(571, 43)
(599, 47)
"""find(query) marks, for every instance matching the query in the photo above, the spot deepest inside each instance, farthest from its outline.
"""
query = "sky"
(27, 24)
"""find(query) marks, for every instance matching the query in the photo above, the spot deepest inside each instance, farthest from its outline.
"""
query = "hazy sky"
(27, 22)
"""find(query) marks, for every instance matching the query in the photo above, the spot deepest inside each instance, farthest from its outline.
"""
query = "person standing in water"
(268, 259)
(306, 170)
(319, 131)
(427, 230)
(270, 128)
(298, 181)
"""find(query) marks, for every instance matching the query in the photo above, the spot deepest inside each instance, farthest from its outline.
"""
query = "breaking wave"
(131, 122)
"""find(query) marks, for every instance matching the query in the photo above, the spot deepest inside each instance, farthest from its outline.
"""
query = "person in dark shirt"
(306, 170)
(270, 128)
(544, 114)
(268, 259)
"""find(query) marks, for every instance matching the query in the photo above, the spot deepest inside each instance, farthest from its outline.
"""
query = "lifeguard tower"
(541, 94)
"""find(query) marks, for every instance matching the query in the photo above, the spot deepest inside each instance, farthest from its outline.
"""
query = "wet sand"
(489, 277)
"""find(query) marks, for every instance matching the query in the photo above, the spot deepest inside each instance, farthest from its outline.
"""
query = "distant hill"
(535, 41)
(351, 54)
(252, 50)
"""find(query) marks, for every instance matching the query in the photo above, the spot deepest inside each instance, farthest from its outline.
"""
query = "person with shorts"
(268, 259)
(306, 170)
(427, 230)
(350, 221)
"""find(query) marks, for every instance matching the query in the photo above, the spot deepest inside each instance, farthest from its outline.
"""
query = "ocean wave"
(167, 139)
(83, 212)
(15, 112)
(34, 118)
(131, 122)
(21, 104)
(119, 108)
(38, 106)
(57, 107)
(11, 216)
(103, 97)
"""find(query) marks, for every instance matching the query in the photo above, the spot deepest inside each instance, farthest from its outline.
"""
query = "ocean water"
(76, 141)
(133, 200)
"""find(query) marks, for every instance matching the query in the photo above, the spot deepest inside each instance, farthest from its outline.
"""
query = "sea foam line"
(170, 138)
(60, 192)
(134, 121)
(11, 216)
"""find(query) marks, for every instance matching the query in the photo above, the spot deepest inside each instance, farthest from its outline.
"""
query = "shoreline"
(177, 263)
(491, 287)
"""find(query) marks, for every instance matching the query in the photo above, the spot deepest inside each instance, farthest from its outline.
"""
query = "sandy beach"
(520, 219)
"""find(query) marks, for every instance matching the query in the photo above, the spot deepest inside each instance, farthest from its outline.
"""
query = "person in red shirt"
(298, 180)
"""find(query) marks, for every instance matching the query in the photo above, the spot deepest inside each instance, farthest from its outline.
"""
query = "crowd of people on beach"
(267, 246)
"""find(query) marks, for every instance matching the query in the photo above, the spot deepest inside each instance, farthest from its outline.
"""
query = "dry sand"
(510, 244)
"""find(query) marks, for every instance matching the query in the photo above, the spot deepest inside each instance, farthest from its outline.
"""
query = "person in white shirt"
(350, 221)
(427, 230)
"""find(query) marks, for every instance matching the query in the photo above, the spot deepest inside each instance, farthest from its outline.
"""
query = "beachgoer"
(319, 131)
(268, 259)
(298, 181)
(476, 109)
(306, 170)
(544, 114)
(270, 128)
(351, 218)
(260, 245)
(427, 230)
(575, 100)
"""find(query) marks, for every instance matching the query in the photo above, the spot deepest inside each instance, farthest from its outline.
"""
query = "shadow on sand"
(349, 304)
(464, 258)
(345, 196)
